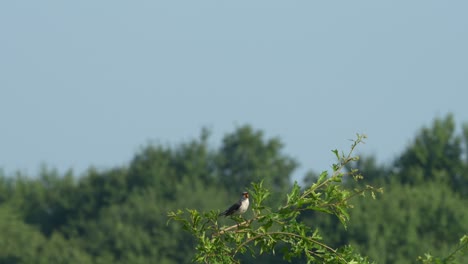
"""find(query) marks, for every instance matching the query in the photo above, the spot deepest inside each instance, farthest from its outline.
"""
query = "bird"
(238, 208)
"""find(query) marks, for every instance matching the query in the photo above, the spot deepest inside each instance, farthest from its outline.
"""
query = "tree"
(23, 243)
(245, 157)
(269, 229)
(423, 206)
(436, 154)
(118, 215)
(406, 222)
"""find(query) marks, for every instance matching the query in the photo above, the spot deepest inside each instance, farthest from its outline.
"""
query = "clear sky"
(89, 82)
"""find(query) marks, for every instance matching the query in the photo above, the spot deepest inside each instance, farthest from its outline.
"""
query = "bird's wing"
(231, 209)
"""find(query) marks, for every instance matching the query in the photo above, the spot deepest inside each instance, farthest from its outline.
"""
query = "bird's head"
(245, 195)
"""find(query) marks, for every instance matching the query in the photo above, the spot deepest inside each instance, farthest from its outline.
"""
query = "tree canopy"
(119, 215)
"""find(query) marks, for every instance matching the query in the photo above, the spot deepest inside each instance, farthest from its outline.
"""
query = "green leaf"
(322, 177)
(337, 155)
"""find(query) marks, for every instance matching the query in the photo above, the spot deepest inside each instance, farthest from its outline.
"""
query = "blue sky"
(89, 82)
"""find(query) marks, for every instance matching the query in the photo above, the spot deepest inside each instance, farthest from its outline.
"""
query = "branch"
(292, 235)
(245, 223)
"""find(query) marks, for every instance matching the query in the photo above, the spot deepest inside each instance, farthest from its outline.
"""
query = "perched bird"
(238, 208)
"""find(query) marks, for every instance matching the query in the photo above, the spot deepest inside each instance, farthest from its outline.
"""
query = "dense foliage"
(270, 230)
(119, 215)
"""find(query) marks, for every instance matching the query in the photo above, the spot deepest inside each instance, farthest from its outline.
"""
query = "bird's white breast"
(244, 206)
